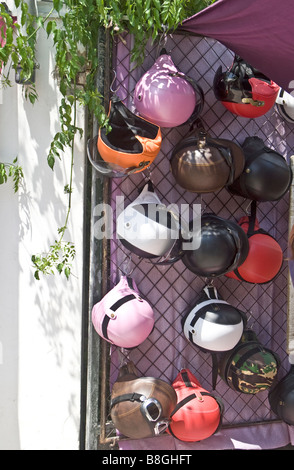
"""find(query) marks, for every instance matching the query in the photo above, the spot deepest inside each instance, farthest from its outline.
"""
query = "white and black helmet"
(285, 105)
(213, 324)
(148, 228)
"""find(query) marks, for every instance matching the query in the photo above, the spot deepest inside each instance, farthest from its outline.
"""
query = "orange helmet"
(131, 145)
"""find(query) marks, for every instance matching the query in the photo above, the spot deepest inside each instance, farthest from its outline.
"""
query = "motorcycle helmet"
(129, 147)
(141, 406)
(212, 324)
(203, 164)
(198, 414)
(148, 228)
(249, 367)
(281, 398)
(285, 105)
(123, 317)
(222, 246)
(265, 256)
(167, 97)
(266, 175)
(243, 90)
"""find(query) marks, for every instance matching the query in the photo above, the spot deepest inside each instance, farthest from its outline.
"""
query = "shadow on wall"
(39, 320)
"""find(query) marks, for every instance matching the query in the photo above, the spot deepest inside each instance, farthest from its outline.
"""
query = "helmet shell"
(147, 227)
(212, 324)
(285, 105)
(264, 259)
(135, 399)
(165, 96)
(198, 413)
(245, 91)
(281, 398)
(129, 147)
(249, 367)
(222, 246)
(202, 164)
(123, 317)
(266, 175)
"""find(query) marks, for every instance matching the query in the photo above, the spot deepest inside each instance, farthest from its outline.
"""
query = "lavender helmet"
(167, 97)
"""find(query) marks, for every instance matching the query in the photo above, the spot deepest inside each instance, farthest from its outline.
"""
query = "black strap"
(114, 307)
(214, 369)
(183, 403)
(126, 397)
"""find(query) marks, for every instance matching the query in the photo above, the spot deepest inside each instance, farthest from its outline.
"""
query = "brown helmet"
(141, 406)
(203, 164)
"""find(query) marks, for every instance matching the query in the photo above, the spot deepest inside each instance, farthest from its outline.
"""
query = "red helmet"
(265, 256)
(198, 413)
(244, 90)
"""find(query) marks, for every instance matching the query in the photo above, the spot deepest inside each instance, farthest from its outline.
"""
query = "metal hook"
(123, 355)
(111, 85)
(162, 41)
(148, 174)
(247, 211)
(125, 265)
(209, 282)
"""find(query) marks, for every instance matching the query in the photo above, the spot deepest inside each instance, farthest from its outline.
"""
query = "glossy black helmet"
(221, 246)
(266, 175)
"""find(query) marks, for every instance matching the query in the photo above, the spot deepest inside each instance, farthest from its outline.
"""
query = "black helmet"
(266, 176)
(281, 398)
(203, 164)
(222, 246)
(249, 367)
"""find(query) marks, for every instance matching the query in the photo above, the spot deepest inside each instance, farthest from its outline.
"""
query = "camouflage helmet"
(249, 367)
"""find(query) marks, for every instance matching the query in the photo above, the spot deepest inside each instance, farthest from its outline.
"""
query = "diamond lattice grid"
(171, 289)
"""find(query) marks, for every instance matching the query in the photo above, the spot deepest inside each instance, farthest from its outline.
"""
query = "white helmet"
(285, 105)
(147, 227)
(213, 324)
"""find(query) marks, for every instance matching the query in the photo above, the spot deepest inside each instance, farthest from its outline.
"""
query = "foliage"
(11, 170)
(74, 29)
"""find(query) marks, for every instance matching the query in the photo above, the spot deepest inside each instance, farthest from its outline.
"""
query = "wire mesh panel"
(170, 289)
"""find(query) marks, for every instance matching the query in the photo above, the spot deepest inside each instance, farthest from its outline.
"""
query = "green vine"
(74, 28)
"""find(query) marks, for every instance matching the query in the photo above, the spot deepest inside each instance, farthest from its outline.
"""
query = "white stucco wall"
(40, 321)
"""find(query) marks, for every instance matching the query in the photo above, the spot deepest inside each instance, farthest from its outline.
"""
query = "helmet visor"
(110, 170)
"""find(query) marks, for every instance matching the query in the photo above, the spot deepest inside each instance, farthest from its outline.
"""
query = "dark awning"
(260, 31)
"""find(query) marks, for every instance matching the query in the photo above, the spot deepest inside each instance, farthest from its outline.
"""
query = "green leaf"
(51, 161)
(57, 4)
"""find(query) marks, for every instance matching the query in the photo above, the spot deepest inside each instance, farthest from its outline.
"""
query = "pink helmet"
(122, 317)
(167, 97)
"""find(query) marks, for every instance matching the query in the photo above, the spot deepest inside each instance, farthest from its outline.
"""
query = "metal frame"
(99, 431)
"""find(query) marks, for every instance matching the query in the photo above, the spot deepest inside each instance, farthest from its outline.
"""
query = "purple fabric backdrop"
(261, 32)
(169, 289)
